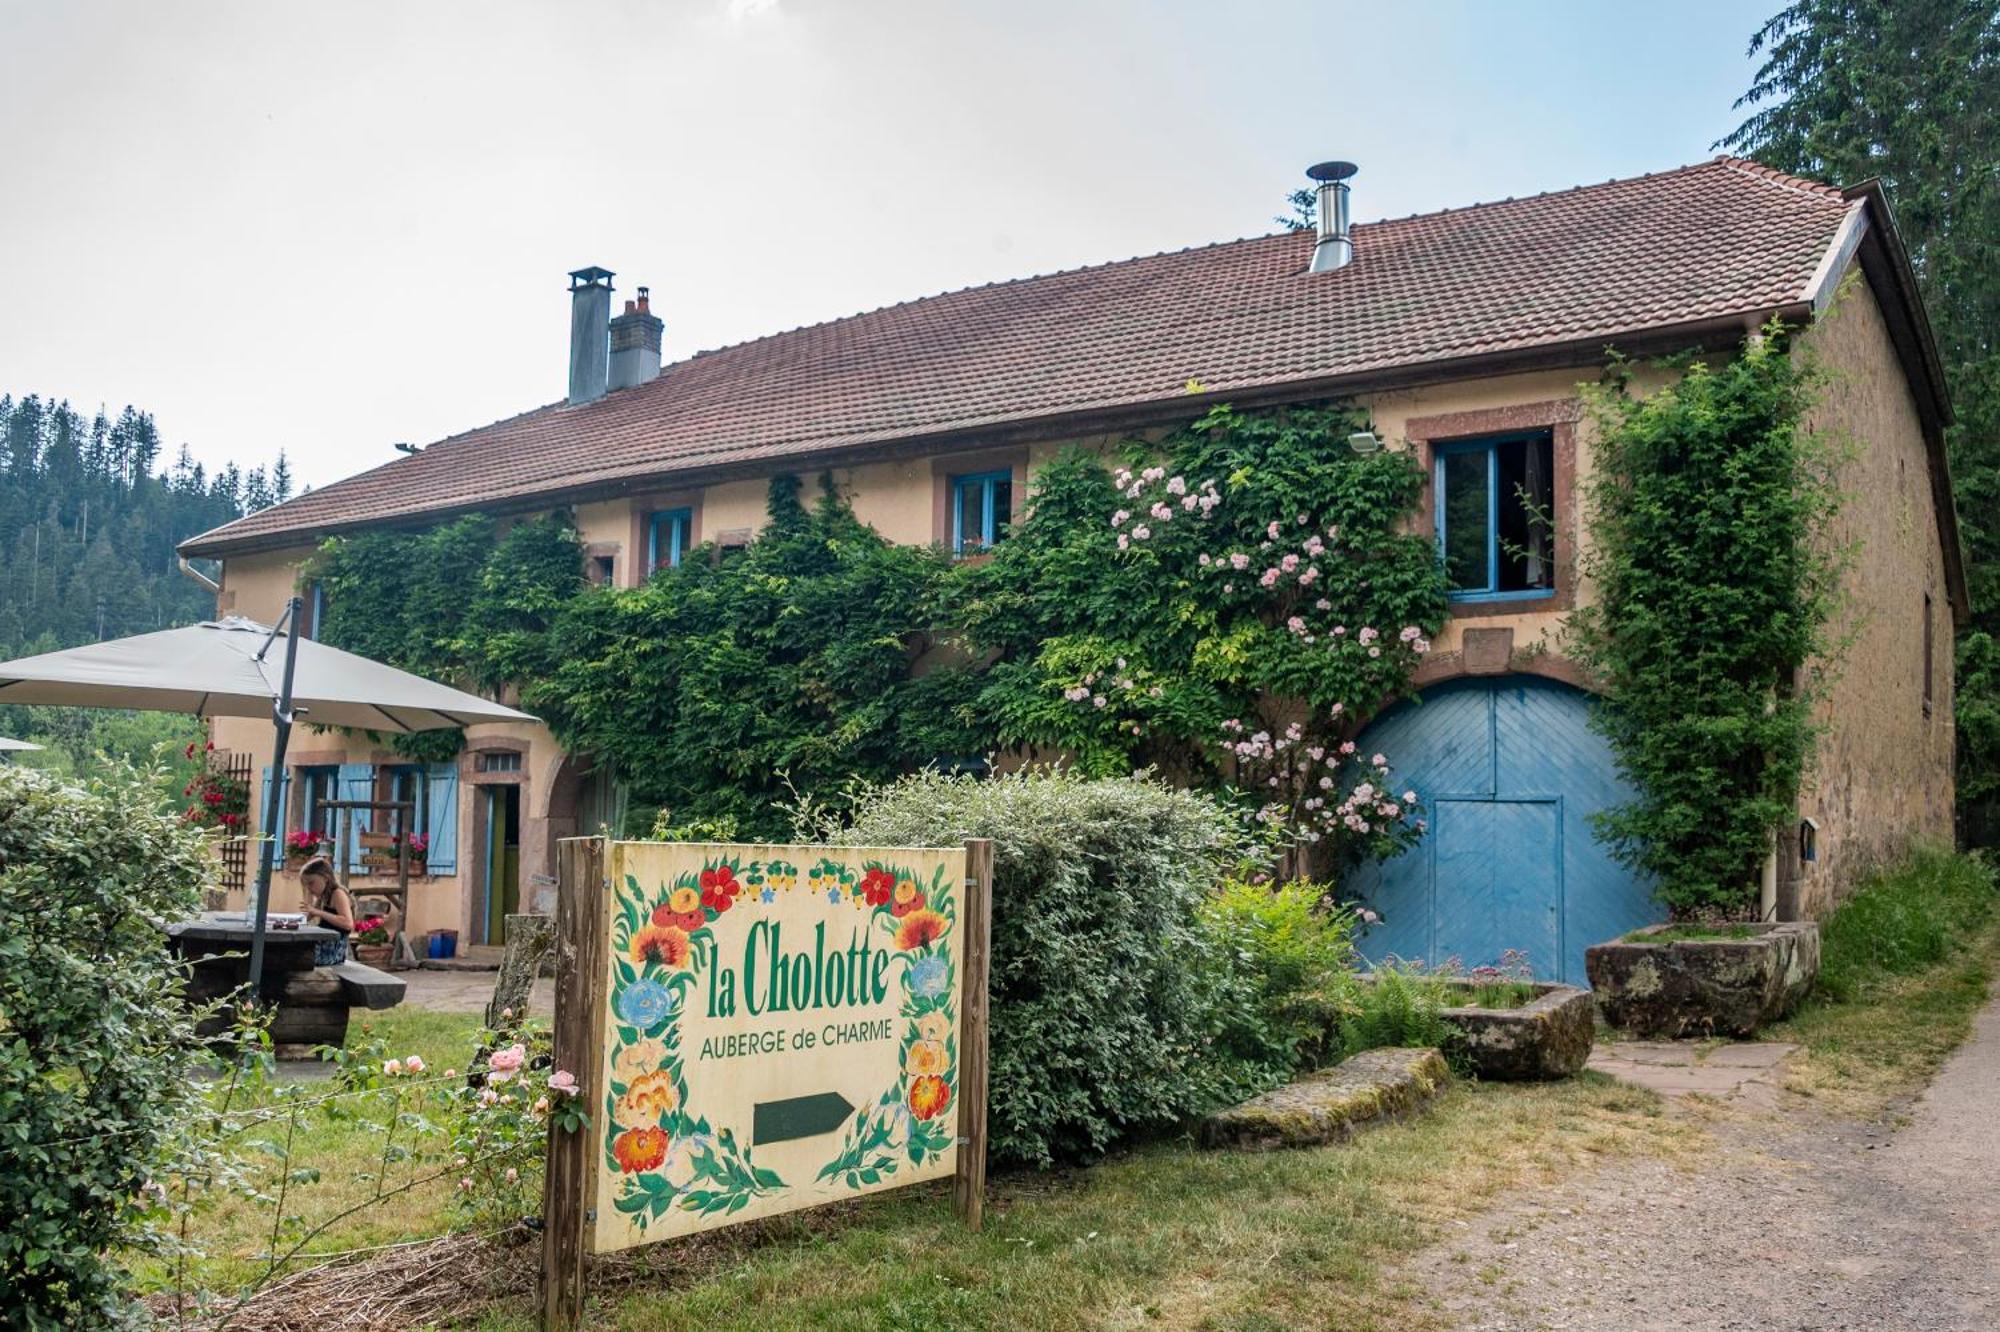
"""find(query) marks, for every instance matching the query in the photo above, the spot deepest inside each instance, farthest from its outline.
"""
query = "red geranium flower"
(876, 885)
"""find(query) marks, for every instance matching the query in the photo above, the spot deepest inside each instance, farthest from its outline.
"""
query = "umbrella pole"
(274, 797)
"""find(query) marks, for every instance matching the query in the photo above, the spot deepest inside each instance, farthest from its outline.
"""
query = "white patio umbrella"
(15, 746)
(227, 668)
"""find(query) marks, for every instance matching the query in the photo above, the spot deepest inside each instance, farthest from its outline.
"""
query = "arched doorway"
(1509, 773)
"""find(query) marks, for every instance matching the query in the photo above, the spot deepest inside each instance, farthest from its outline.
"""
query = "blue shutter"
(356, 782)
(441, 799)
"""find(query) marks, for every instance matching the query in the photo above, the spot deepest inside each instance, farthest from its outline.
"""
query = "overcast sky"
(327, 227)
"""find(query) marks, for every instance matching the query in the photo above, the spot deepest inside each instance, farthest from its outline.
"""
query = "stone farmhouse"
(1464, 334)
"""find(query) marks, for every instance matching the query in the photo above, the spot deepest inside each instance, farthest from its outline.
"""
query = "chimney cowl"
(1335, 247)
(589, 333)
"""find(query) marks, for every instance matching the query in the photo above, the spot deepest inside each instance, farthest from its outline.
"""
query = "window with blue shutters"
(1495, 505)
(667, 538)
(982, 505)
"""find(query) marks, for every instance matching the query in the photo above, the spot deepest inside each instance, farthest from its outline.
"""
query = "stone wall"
(1883, 773)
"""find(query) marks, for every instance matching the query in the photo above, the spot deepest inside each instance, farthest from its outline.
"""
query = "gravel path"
(1796, 1224)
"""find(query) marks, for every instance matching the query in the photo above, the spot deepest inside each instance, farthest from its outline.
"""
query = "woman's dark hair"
(322, 866)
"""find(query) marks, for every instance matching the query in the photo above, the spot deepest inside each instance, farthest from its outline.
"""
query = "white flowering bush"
(1229, 607)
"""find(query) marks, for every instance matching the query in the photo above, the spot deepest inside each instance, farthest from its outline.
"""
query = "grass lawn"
(235, 1233)
(1164, 1236)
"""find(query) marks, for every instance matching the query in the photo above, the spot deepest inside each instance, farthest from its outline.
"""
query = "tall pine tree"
(1909, 91)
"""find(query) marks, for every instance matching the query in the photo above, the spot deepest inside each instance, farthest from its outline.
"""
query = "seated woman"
(328, 904)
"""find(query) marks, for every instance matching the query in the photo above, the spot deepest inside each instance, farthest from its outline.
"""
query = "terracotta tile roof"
(1588, 265)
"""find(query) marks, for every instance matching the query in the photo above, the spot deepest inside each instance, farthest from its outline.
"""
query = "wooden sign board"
(776, 1027)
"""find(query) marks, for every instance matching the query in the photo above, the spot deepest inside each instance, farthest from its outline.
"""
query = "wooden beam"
(968, 1189)
(568, 1182)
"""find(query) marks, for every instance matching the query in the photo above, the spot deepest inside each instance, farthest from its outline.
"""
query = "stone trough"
(1545, 1039)
(1331, 1105)
(1704, 987)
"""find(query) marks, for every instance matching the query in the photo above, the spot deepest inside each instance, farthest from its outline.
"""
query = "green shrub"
(1903, 919)
(97, 1054)
(1398, 1007)
(1717, 576)
(1102, 985)
(1283, 962)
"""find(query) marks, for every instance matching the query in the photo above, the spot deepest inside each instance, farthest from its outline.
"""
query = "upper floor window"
(982, 505)
(318, 787)
(407, 783)
(667, 534)
(1495, 505)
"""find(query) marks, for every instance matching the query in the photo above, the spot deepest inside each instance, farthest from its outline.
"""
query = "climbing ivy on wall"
(452, 603)
(1717, 579)
(1229, 605)
(728, 683)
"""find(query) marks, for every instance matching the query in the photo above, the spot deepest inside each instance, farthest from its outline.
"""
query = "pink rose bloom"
(1188, 503)
(1124, 542)
(1289, 563)
(1346, 746)
(1271, 531)
(1141, 532)
(393, 1067)
(1177, 485)
(1270, 578)
(1409, 797)
(1374, 652)
(1239, 561)
(1367, 635)
(1118, 518)
(1296, 625)
(563, 1082)
(415, 1063)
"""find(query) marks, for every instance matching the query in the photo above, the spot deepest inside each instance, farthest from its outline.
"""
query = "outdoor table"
(311, 1002)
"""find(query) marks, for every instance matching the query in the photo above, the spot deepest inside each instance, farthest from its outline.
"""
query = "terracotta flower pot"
(374, 955)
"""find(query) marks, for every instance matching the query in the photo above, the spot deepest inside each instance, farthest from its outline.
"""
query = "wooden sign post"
(760, 1029)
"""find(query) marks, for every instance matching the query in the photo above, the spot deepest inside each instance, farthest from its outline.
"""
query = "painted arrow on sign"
(798, 1117)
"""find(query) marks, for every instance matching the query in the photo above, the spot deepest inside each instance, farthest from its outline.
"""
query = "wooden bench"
(365, 987)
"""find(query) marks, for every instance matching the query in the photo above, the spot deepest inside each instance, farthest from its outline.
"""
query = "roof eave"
(1886, 264)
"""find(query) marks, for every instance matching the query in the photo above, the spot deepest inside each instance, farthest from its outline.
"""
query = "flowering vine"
(1230, 604)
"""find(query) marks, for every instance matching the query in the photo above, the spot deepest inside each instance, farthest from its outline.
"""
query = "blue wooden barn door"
(1509, 773)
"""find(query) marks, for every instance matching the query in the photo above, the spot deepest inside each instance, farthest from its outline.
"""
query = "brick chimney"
(635, 343)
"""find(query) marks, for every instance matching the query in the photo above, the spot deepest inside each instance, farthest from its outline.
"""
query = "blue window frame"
(982, 505)
(1495, 509)
(667, 535)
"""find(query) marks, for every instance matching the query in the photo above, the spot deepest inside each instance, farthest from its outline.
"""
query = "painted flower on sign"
(920, 929)
(682, 909)
(664, 944)
(649, 1096)
(877, 885)
(929, 977)
(929, 1096)
(934, 1025)
(646, 1004)
(924, 1057)
(908, 898)
(639, 1149)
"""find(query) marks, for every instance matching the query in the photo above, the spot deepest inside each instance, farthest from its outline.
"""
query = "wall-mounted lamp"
(1364, 442)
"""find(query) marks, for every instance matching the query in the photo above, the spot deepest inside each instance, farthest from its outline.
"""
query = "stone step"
(1330, 1105)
